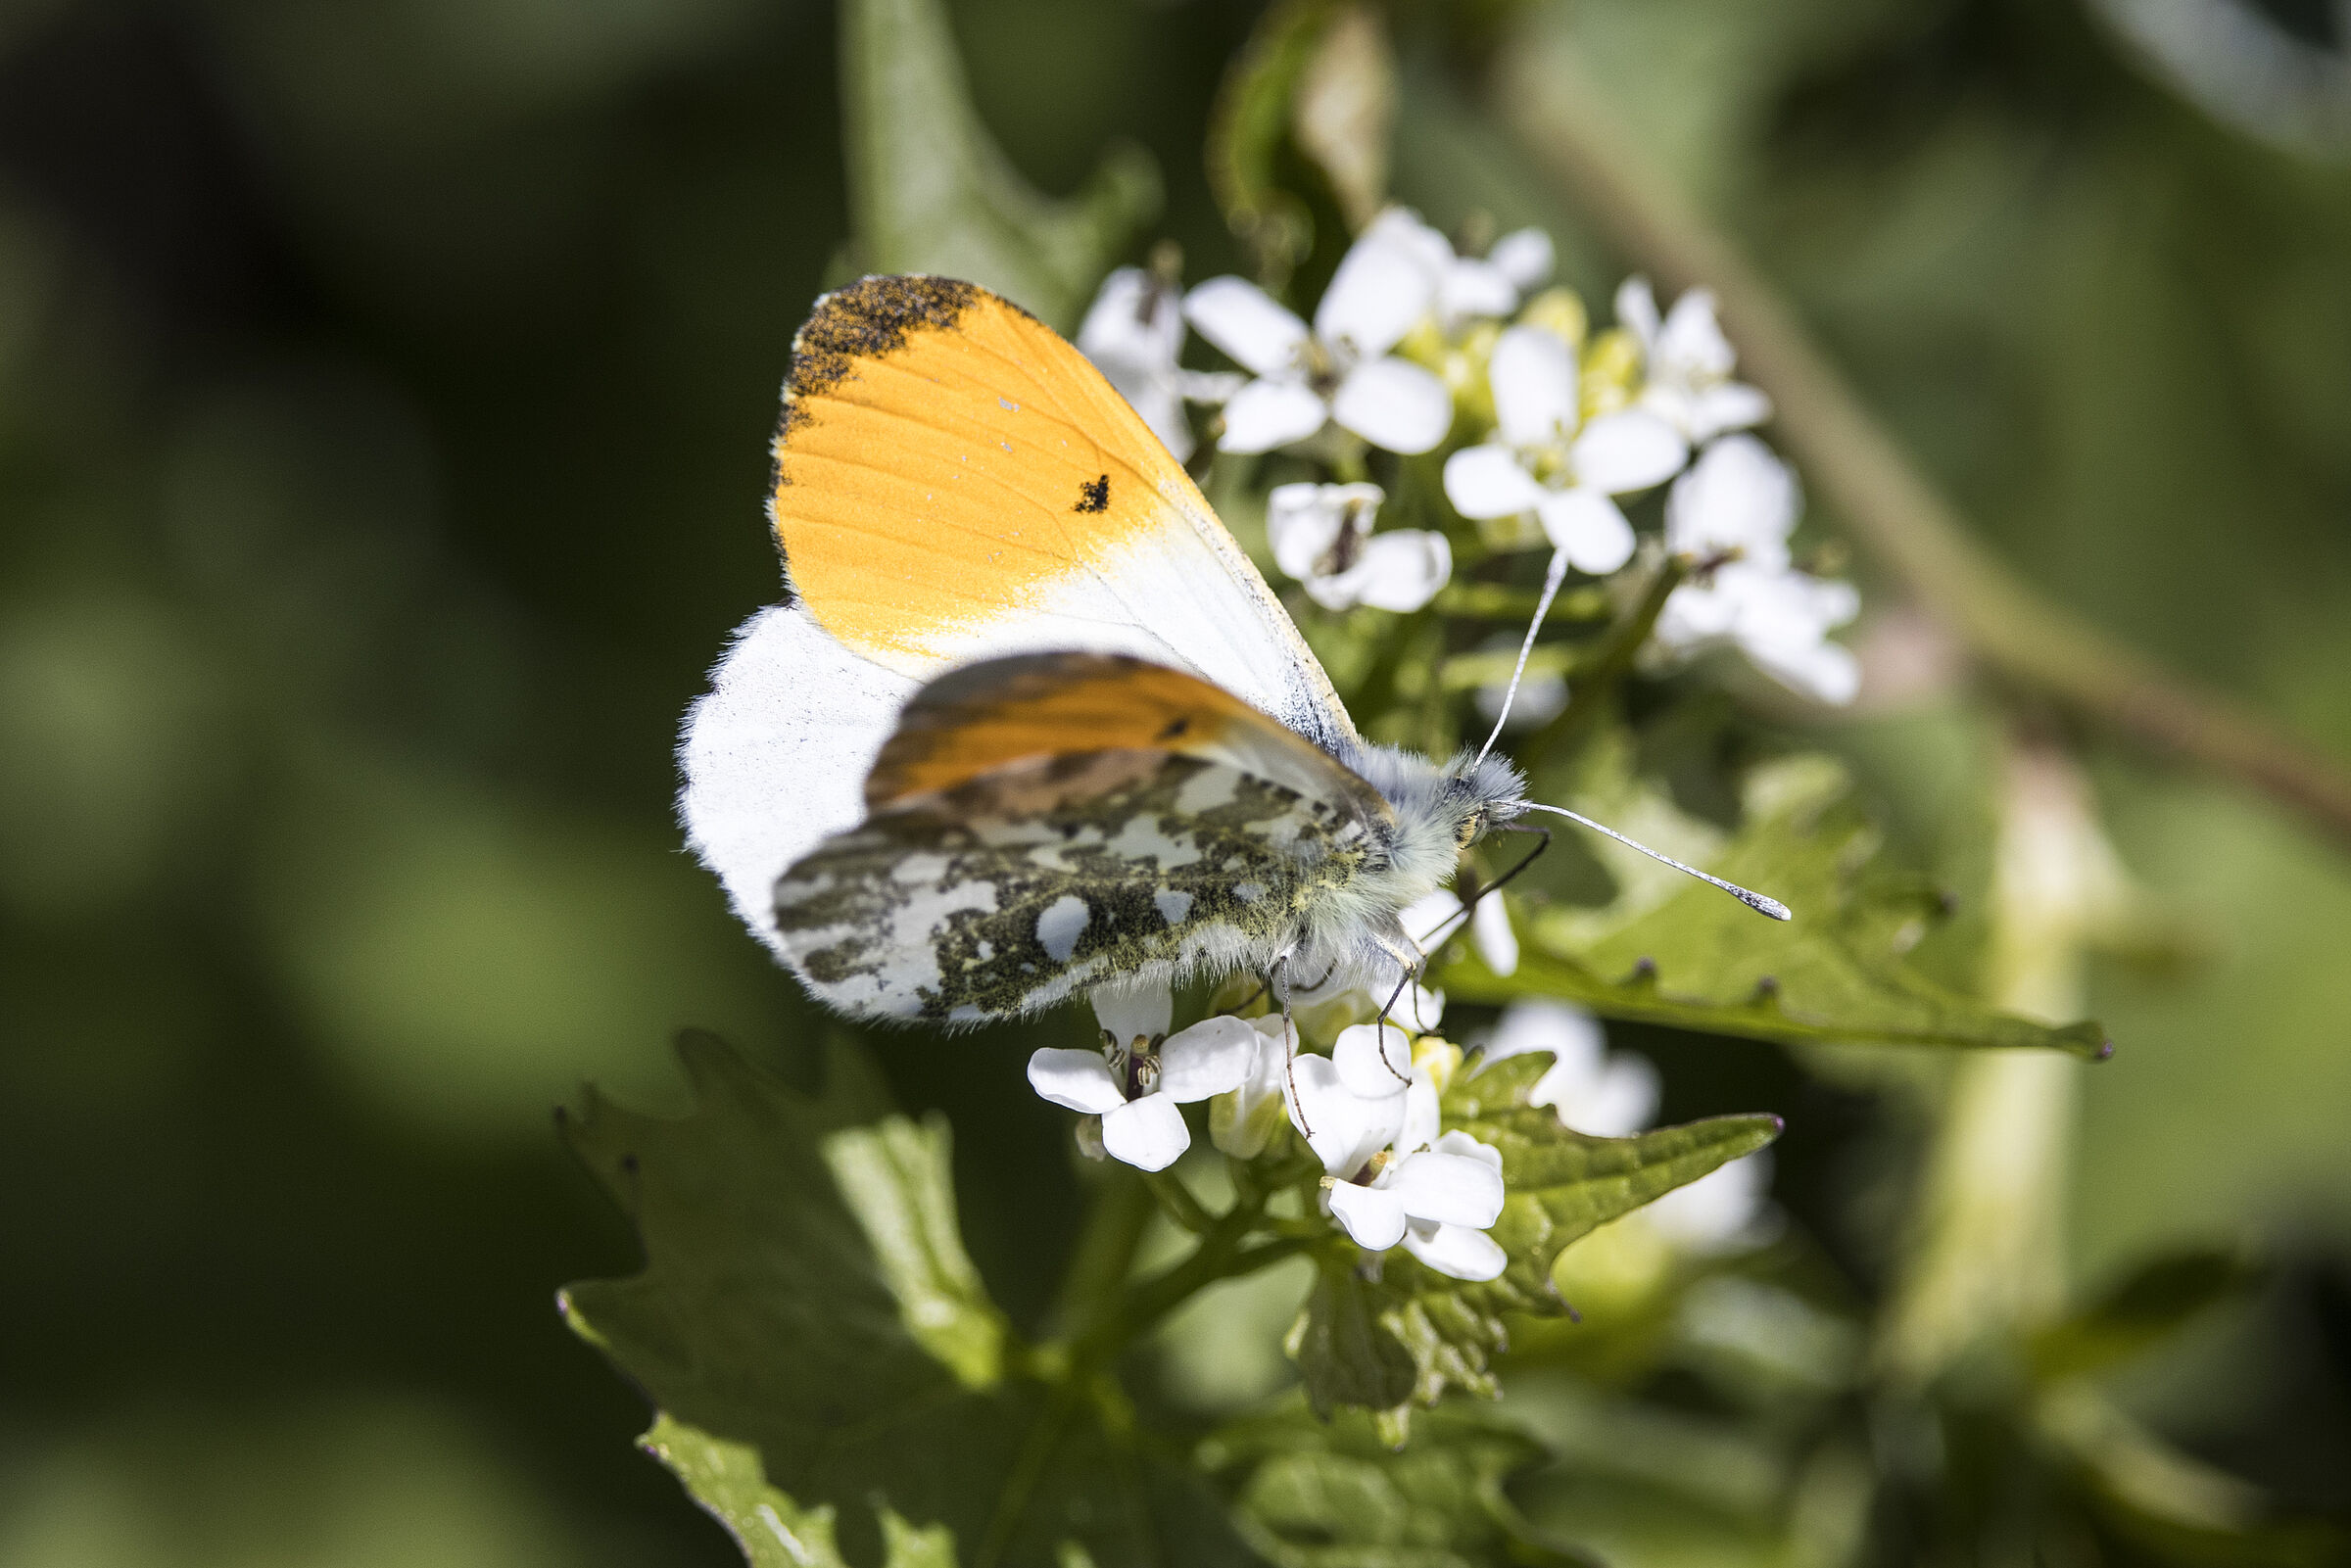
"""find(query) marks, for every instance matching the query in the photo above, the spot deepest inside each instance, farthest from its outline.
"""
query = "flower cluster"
(1367, 1111)
(1546, 429)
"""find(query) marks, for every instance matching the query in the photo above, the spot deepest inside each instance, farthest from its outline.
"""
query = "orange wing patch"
(943, 455)
(980, 717)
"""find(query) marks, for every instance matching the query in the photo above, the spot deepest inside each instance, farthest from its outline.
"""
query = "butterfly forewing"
(1007, 892)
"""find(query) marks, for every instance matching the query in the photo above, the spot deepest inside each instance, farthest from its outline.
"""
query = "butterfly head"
(1441, 808)
(1480, 794)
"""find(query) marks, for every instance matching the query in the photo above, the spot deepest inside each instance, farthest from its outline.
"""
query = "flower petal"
(1451, 1189)
(1128, 1012)
(1337, 1125)
(1210, 386)
(1415, 236)
(1245, 1120)
(1394, 405)
(1161, 408)
(1589, 528)
(1523, 256)
(1429, 918)
(1457, 1251)
(1373, 1218)
(1489, 482)
(1694, 613)
(1133, 322)
(1402, 570)
(1719, 1210)
(1533, 377)
(1825, 672)
(1457, 1142)
(1380, 291)
(1572, 1035)
(1079, 1079)
(1613, 1099)
(1420, 1127)
(1207, 1057)
(1254, 330)
(1636, 310)
(1736, 497)
(1732, 405)
(1303, 521)
(1266, 414)
(1147, 1133)
(1471, 288)
(1490, 929)
(1690, 347)
(1629, 451)
(1374, 1062)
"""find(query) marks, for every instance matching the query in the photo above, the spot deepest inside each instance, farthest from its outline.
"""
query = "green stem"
(1177, 1202)
(1104, 1252)
(1548, 102)
(1098, 1314)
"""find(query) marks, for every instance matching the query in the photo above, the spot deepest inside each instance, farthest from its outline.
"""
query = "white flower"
(1524, 256)
(1733, 512)
(1373, 1120)
(1322, 535)
(1469, 287)
(1688, 365)
(1429, 919)
(1780, 620)
(1546, 460)
(1738, 500)
(1595, 1091)
(1338, 371)
(1726, 1210)
(1143, 1073)
(1243, 1122)
(1133, 333)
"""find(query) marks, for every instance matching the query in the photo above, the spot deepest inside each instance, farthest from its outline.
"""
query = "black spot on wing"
(1094, 496)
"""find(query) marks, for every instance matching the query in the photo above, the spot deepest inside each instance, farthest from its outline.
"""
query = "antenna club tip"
(1774, 908)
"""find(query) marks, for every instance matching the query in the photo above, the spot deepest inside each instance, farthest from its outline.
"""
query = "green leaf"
(773, 1531)
(2147, 1305)
(931, 192)
(1560, 1185)
(1315, 1493)
(823, 1355)
(1674, 951)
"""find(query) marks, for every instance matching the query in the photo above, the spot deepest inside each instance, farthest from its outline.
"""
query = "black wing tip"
(869, 319)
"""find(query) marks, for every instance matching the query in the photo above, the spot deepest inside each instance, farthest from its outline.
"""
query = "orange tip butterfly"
(1029, 722)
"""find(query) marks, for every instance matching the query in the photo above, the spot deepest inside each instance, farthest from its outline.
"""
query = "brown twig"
(1911, 529)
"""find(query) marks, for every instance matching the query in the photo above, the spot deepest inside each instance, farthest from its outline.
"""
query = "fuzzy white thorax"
(1354, 933)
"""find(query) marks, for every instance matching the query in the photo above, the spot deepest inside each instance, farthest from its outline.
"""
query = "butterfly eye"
(1472, 825)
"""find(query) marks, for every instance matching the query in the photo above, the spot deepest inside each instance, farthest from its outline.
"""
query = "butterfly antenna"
(1755, 901)
(1551, 588)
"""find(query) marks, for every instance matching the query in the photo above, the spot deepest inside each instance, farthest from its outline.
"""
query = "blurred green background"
(384, 391)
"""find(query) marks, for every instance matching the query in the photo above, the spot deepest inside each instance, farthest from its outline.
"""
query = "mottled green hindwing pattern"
(1005, 894)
